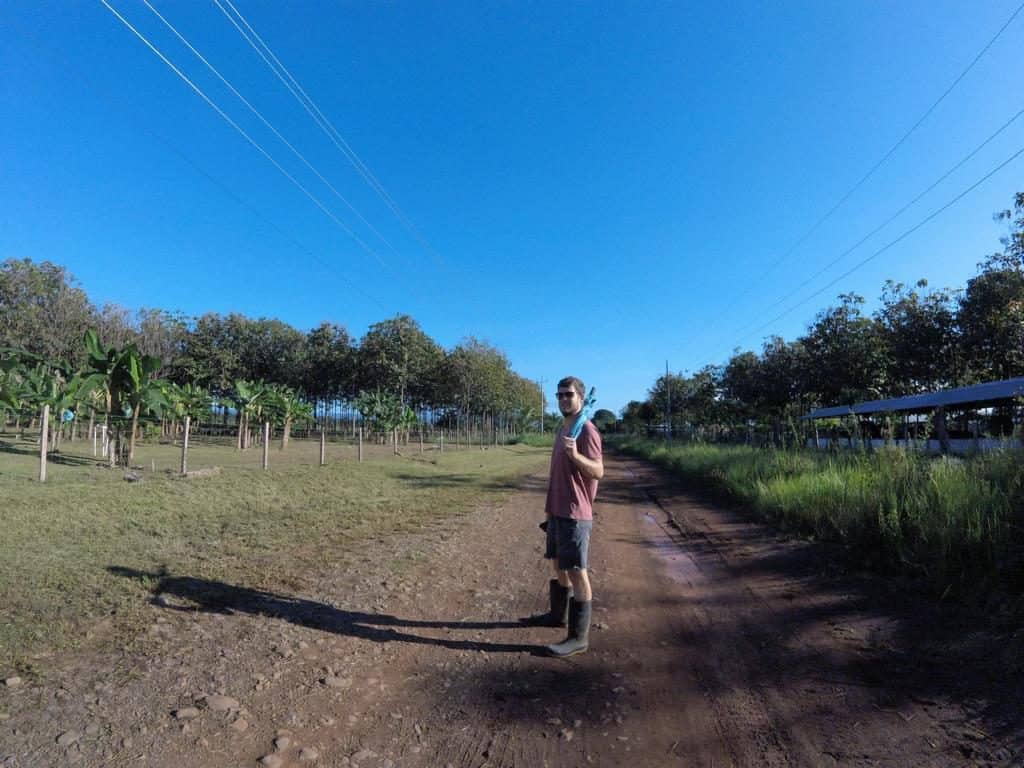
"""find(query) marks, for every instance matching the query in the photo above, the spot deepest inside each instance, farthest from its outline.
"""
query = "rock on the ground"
(341, 683)
(13, 682)
(240, 725)
(68, 738)
(222, 703)
(185, 713)
(309, 754)
(282, 743)
(272, 761)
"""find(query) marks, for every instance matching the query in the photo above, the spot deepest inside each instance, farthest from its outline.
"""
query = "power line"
(248, 138)
(318, 117)
(899, 239)
(888, 221)
(884, 158)
(99, 91)
(267, 123)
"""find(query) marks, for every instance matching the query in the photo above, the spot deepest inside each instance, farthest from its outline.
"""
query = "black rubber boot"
(558, 615)
(579, 631)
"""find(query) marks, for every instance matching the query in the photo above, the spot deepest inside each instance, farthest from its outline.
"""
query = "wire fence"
(183, 448)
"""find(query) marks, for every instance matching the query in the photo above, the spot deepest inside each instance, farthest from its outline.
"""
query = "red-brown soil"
(716, 642)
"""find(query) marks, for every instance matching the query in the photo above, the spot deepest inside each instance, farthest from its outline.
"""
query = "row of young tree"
(918, 340)
(395, 369)
(118, 388)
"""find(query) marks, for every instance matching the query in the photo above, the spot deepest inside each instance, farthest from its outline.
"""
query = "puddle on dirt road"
(679, 564)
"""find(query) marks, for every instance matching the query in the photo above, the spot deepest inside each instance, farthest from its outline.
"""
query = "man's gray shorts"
(568, 542)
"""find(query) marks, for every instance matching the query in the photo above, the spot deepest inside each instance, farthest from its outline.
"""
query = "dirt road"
(716, 643)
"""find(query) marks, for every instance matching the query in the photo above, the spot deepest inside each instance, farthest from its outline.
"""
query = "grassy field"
(245, 526)
(953, 520)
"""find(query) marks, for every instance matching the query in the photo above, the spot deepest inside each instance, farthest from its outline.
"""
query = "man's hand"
(590, 467)
(570, 447)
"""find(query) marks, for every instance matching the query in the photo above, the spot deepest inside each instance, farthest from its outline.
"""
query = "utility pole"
(540, 386)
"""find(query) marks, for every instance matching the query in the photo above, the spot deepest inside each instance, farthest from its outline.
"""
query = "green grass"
(951, 519)
(535, 439)
(246, 526)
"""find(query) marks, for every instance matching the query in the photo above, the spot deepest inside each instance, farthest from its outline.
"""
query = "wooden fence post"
(266, 444)
(184, 446)
(43, 437)
(360, 445)
(323, 446)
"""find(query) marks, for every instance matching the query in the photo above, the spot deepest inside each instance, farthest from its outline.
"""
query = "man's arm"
(592, 468)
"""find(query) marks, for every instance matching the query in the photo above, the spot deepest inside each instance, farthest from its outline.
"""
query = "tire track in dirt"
(819, 652)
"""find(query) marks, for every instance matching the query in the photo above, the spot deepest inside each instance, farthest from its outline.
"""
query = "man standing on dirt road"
(576, 466)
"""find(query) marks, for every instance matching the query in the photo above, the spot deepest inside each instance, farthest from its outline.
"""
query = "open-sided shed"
(990, 394)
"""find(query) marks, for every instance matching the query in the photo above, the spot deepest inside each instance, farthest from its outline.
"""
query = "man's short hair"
(572, 381)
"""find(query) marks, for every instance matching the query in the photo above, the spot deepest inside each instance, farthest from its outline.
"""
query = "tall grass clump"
(950, 519)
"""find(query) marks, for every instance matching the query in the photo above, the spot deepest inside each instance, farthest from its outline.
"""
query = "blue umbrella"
(585, 414)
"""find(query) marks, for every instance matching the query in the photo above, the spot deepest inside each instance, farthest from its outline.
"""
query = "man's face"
(569, 401)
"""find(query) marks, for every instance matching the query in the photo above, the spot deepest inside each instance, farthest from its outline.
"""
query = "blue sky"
(603, 186)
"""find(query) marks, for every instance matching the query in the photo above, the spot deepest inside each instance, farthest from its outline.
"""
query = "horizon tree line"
(919, 339)
(44, 313)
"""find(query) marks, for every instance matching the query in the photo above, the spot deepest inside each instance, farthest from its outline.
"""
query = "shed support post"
(940, 429)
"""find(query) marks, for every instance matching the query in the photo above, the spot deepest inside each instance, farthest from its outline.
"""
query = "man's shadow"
(217, 597)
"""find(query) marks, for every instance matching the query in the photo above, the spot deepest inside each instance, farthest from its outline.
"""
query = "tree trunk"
(285, 433)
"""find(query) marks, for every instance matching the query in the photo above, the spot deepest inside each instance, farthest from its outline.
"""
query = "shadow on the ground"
(455, 481)
(211, 596)
(53, 457)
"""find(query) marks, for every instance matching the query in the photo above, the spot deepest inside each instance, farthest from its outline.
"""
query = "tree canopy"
(917, 340)
(43, 311)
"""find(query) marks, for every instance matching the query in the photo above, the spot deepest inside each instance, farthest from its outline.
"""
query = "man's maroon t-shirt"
(570, 492)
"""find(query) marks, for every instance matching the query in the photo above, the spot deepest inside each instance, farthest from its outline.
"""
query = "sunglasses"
(565, 395)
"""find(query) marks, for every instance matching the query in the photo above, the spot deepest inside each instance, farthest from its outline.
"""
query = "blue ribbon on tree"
(585, 414)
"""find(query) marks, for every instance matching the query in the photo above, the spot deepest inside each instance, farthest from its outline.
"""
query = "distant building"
(961, 420)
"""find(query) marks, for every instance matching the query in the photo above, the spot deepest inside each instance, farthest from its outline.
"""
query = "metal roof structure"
(989, 393)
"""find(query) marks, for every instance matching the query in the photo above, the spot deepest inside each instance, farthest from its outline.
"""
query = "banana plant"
(288, 409)
(383, 410)
(128, 381)
(10, 385)
(45, 384)
(187, 402)
(17, 392)
(101, 365)
(251, 399)
(139, 389)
